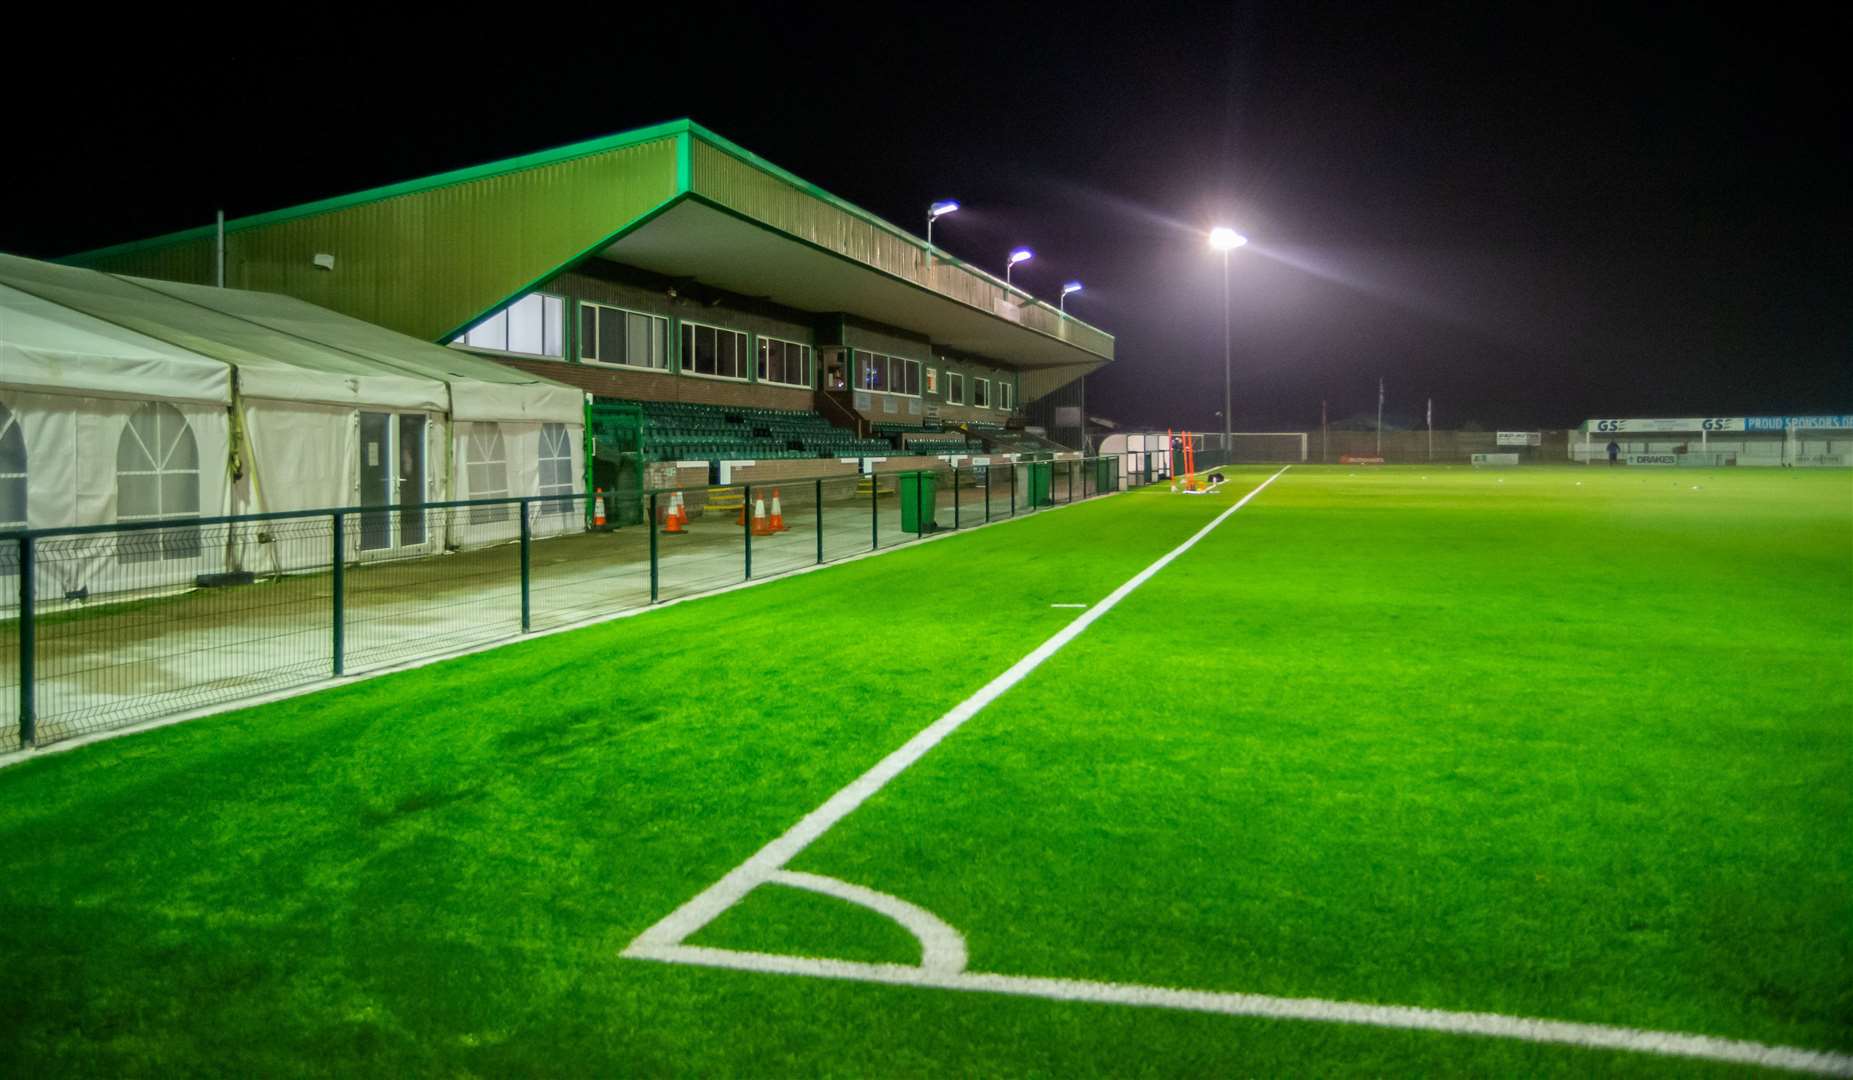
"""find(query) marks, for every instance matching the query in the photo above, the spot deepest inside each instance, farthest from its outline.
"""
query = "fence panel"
(132, 622)
(576, 575)
(138, 623)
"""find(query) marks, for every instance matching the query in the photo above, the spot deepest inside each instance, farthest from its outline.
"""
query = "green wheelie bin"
(918, 490)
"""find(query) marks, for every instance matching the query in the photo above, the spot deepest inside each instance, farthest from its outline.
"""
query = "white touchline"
(1068, 605)
(943, 954)
(1489, 1025)
(680, 924)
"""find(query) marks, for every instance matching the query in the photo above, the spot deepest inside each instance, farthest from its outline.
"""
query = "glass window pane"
(637, 339)
(704, 350)
(524, 325)
(491, 333)
(588, 332)
(611, 337)
(553, 319)
(659, 344)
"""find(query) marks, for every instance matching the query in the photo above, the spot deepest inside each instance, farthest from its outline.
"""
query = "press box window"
(709, 350)
(531, 326)
(784, 362)
(609, 335)
(981, 393)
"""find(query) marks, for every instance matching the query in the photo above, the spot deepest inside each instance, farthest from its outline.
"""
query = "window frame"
(886, 363)
(760, 356)
(657, 323)
(486, 515)
(976, 383)
(559, 497)
(955, 388)
(169, 545)
(1006, 395)
(740, 355)
(462, 341)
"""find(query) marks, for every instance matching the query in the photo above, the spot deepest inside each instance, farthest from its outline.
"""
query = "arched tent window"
(157, 476)
(12, 471)
(486, 458)
(556, 468)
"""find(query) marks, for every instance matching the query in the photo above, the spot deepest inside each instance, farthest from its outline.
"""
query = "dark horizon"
(1529, 217)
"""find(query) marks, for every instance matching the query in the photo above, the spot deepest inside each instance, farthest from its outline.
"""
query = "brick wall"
(644, 385)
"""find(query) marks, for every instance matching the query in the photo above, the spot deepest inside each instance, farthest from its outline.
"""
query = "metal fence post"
(987, 494)
(28, 717)
(874, 509)
(1071, 481)
(955, 498)
(746, 515)
(527, 541)
(339, 643)
(651, 525)
(919, 491)
(817, 505)
(1013, 486)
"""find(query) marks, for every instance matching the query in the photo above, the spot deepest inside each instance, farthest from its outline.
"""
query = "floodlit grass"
(1570, 743)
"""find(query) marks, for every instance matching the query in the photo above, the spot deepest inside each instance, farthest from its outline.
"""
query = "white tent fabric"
(47, 347)
(265, 399)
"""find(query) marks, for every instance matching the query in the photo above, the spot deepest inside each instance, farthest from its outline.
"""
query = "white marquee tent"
(123, 399)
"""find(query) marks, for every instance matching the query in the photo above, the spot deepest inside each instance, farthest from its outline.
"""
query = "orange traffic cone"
(598, 510)
(680, 508)
(740, 518)
(761, 527)
(674, 519)
(778, 513)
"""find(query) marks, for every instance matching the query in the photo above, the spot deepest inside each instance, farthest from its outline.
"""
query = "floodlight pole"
(1228, 425)
(1379, 417)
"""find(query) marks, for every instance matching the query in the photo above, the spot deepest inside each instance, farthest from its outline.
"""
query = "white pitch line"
(942, 948)
(680, 924)
(1487, 1025)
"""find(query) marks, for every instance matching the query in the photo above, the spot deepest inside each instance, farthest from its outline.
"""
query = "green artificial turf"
(1560, 742)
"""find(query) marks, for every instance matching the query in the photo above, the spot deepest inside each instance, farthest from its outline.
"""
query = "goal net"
(1265, 447)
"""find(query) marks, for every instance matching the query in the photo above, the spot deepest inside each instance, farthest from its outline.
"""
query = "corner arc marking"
(942, 948)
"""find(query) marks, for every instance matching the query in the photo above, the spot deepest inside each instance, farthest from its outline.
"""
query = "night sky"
(1534, 216)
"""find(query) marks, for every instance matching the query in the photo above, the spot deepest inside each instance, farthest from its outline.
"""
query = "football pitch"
(1333, 770)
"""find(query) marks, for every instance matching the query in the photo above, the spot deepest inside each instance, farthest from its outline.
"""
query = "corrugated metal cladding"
(725, 179)
(1062, 412)
(495, 236)
(1036, 383)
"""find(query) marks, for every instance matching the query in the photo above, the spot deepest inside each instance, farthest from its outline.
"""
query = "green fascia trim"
(684, 130)
(408, 187)
(748, 157)
(756, 223)
(635, 223)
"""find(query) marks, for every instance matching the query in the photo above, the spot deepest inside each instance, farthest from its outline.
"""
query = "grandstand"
(678, 281)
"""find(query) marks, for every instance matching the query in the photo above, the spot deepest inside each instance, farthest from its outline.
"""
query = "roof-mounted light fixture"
(1071, 287)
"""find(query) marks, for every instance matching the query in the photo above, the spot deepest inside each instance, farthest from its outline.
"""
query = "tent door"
(392, 473)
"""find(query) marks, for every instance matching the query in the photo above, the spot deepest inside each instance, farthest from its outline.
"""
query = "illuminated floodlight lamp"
(935, 212)
(1021, 254)
(1071, 287)
(1226, 240)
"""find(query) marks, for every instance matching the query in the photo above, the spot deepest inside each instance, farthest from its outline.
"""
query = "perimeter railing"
(105, 626)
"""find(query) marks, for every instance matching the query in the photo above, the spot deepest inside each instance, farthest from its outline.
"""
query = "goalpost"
(1266, 447)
